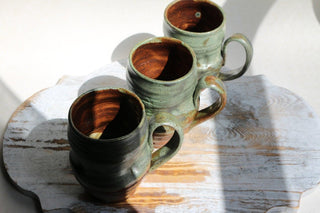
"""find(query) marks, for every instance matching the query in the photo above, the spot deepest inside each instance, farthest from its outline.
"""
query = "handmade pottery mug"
(111, 142)
(201, 24)
(163, 73)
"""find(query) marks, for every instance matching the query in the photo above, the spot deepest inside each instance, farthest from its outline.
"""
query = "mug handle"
(166, 152)
(213, 83)
(236, 73)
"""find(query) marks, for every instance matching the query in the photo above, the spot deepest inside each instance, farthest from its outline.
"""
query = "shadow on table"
(250, 162)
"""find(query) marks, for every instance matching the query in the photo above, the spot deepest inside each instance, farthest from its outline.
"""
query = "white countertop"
(41, 41)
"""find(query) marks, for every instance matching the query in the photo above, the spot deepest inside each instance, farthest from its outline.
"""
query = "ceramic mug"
(111, 142)
(163, 73)
(201, 24)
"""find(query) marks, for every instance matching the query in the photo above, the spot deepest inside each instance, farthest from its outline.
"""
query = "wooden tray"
(261, 152)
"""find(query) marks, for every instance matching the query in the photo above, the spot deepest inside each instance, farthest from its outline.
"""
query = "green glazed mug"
(111, 142)
(163, 73)
(201, 24)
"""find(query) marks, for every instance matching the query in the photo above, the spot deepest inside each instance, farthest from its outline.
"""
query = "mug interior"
(165, 60)
(194, 16)
(108, 113)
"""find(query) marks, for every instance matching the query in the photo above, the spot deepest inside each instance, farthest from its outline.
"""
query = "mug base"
(104, 193)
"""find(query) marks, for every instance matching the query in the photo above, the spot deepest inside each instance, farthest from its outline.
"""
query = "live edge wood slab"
(262, 151)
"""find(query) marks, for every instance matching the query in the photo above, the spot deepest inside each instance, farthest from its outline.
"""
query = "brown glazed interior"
(194, 16)
(166, 60)
(111, 112)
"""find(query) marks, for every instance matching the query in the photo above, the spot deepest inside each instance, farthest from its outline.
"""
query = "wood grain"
(260, 152)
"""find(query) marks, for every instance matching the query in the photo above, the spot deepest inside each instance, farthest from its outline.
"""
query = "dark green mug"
(201, 24)
(111, 142)
(163, 73)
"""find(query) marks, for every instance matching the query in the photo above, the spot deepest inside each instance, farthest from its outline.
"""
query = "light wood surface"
(261, 152)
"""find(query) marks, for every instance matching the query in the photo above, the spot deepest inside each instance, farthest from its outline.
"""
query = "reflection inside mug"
(194, 16)
(105, 114)
(166, 60)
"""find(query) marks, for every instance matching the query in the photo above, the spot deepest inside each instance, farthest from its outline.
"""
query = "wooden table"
(261, 152)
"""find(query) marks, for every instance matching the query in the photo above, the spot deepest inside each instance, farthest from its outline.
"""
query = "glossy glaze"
(178, 93)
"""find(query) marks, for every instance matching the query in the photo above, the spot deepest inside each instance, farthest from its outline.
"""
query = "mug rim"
(159, 40)
(116, 139)
(190, 32)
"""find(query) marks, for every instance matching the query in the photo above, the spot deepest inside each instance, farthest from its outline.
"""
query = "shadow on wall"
(122, 51)
(102, 82)
(243, 16)
(9, 102)
(316, 8)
